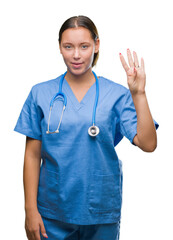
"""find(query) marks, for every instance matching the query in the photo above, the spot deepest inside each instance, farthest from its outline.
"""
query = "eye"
(84, 46)
(67, 46)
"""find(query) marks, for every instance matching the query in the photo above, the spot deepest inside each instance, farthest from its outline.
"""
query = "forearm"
(146, 137)
(31, 173)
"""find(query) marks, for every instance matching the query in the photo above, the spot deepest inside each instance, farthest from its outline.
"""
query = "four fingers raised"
(132, 63)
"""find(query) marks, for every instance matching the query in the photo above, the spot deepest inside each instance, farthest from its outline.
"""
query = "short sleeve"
(29, 121)
(128, 118)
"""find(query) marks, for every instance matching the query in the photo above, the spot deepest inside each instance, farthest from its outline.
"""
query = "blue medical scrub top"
(80, 176)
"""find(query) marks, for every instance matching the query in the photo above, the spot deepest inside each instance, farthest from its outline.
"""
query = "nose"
(76, 53)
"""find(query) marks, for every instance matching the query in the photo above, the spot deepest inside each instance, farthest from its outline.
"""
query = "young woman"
(72, 124)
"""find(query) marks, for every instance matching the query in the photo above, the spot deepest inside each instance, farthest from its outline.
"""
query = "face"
(77, 48)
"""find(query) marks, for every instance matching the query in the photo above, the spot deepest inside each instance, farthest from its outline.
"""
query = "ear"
(97, 45)
(60, 48)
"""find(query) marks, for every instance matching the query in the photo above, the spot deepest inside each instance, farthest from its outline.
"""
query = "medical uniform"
(80, 176)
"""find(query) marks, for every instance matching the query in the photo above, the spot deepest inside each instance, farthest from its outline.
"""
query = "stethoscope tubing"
(93, 130)
(96, 99)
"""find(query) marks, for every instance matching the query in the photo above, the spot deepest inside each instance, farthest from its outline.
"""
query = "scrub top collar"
(73, 98)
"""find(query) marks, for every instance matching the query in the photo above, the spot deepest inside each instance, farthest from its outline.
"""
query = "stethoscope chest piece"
(93, 131)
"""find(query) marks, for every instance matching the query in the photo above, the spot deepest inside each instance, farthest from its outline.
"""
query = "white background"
(29, 54)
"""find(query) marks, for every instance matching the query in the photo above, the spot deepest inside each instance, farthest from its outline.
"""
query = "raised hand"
(136, 77)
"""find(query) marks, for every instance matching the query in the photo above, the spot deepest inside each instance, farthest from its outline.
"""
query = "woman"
(76, 191)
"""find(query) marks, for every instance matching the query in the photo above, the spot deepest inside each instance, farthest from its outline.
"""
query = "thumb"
(43, 230)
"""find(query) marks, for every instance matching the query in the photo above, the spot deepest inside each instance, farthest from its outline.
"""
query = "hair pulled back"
(81, 21)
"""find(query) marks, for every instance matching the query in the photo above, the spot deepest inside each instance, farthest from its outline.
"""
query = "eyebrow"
(72, 43)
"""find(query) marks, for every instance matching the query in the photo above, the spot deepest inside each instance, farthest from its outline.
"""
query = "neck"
(82, 79)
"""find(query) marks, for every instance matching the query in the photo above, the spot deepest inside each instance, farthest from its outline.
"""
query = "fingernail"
(45, 235)
(120, 53)
(134, 69)
(127, 48)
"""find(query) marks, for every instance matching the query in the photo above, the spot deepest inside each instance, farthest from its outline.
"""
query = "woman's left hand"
(136, 77)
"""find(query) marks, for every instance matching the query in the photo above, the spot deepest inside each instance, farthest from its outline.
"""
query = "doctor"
(72, 180)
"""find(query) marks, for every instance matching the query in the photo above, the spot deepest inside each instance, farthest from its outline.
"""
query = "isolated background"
(29, 54)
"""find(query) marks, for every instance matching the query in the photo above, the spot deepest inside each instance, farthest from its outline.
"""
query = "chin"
(79, 71)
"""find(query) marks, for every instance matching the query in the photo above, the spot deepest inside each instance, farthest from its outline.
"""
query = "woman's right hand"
(34, 225)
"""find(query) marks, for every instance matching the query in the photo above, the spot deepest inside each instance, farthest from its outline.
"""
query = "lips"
(76, 64)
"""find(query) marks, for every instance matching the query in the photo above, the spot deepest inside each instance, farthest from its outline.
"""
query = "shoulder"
(112, 86)
(46, 84)
(45, 87)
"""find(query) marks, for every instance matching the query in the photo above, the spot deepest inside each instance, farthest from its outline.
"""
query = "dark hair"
(81, 21)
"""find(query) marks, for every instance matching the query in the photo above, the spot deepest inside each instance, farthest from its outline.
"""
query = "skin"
(77, 46)
(146, 138)
(31, 171)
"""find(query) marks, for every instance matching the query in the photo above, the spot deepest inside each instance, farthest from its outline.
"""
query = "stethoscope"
(93, 130)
